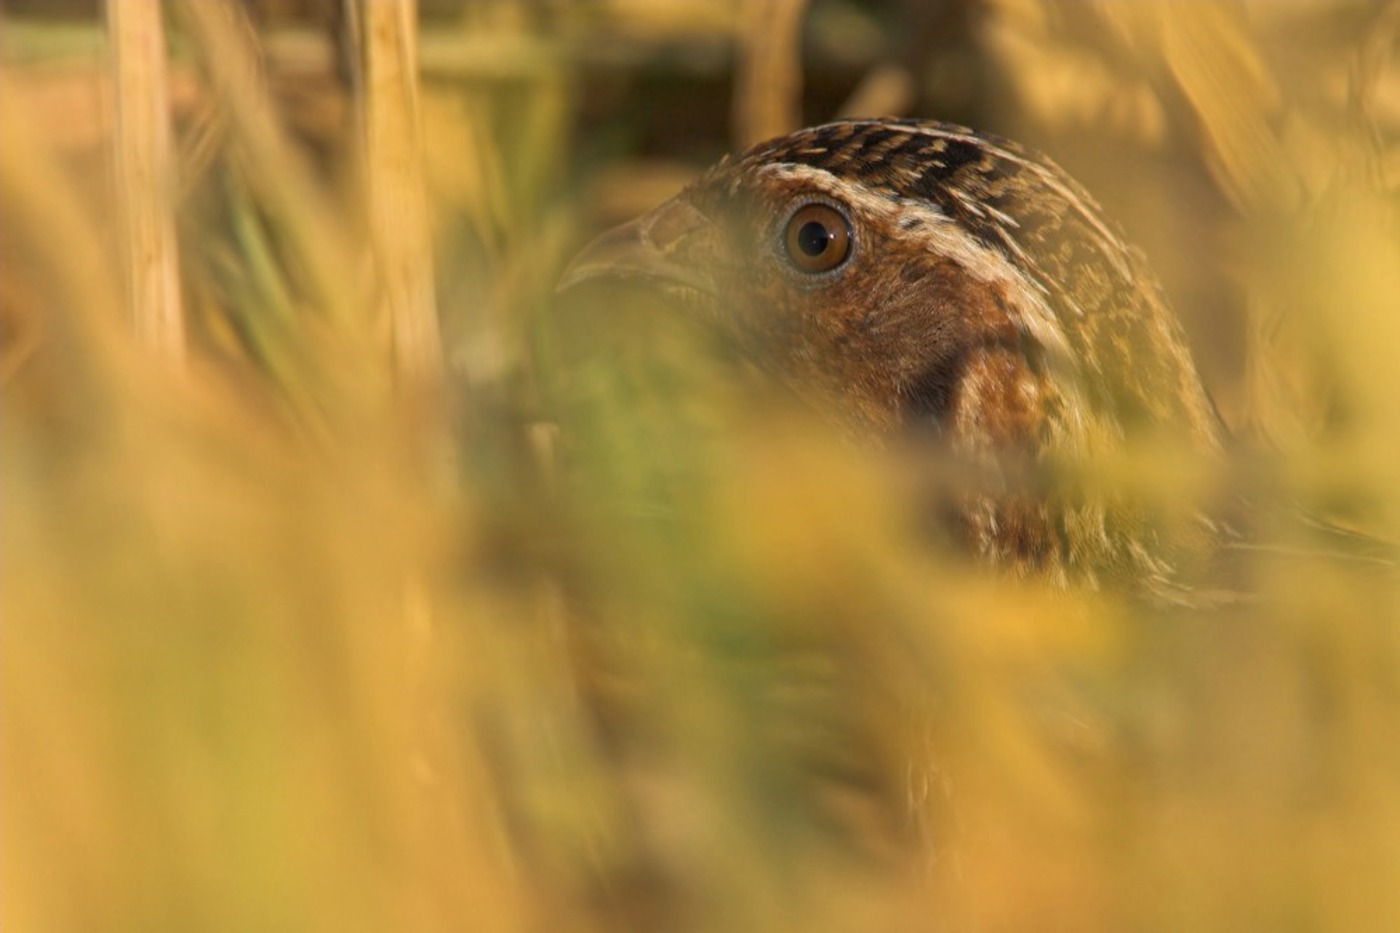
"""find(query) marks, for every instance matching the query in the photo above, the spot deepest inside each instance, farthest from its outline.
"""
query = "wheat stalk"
(145, 175)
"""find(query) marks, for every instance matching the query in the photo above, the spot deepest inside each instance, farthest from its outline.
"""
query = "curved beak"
(651, 249)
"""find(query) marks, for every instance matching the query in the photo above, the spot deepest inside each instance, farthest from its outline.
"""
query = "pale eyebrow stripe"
(1053, 181)
(1050, 177)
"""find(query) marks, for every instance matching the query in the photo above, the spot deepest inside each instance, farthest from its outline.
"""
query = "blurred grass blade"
(145, 175)
(281, 178)
(1229, 86)
(50, 242)
(656, 646)
(768, 86)
(393, 168)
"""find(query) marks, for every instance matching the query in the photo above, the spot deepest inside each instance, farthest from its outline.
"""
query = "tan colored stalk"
(393, 172)
(47, 231)
(279, 173)
(145, 176)
(1236, 99)
(768, 86)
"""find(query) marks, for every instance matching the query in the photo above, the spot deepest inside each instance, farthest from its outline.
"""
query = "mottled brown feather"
(987, 301)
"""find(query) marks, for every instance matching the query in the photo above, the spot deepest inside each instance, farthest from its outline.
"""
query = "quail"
(924, 277)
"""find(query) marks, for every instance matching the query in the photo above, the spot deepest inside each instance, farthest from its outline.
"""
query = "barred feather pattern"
(987, 301)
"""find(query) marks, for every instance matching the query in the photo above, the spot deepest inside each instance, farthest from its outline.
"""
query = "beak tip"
(607, 256)
(576, 273)
(631, 253)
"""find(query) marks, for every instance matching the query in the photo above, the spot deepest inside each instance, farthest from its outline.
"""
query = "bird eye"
(817, 238)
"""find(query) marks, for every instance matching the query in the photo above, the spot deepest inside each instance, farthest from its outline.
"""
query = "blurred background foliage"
(590, 628)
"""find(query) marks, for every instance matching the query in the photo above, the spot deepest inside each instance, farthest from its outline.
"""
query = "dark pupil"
(813, 238)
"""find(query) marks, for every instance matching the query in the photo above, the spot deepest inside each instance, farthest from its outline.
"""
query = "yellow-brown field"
(347, 583)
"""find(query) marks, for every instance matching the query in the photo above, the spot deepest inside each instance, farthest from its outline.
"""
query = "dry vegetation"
(346, 586)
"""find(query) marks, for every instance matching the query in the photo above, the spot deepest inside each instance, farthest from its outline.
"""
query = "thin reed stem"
(280, 174)
(768, 85)
(393, 172)
(145, 173)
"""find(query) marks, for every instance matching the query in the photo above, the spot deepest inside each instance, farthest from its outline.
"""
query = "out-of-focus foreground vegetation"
(348, 584)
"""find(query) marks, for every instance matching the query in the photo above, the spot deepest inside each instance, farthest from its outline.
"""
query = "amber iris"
(817, 238)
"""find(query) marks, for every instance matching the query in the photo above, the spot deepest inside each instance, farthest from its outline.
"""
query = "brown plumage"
(924, 276)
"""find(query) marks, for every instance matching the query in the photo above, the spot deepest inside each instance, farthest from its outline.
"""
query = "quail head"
(923, 277)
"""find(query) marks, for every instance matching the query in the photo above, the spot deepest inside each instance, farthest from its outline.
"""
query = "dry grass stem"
(145, 176)
(768, 85)
(393, 168)
(885, 91)
(421, 597)
(60, 250)
(283, 179)
(1220, 72)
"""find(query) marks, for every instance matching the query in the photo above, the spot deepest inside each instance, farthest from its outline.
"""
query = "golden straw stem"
(145, 177)
(398, 209)
(279, 173)
(768, 86)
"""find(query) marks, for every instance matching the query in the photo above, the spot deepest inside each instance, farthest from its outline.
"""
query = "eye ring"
(817, 238)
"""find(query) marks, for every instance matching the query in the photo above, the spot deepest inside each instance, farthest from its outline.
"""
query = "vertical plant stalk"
(145, 175)
(1223, 76)
(768, 86)
(391, 124)
(279, 174)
